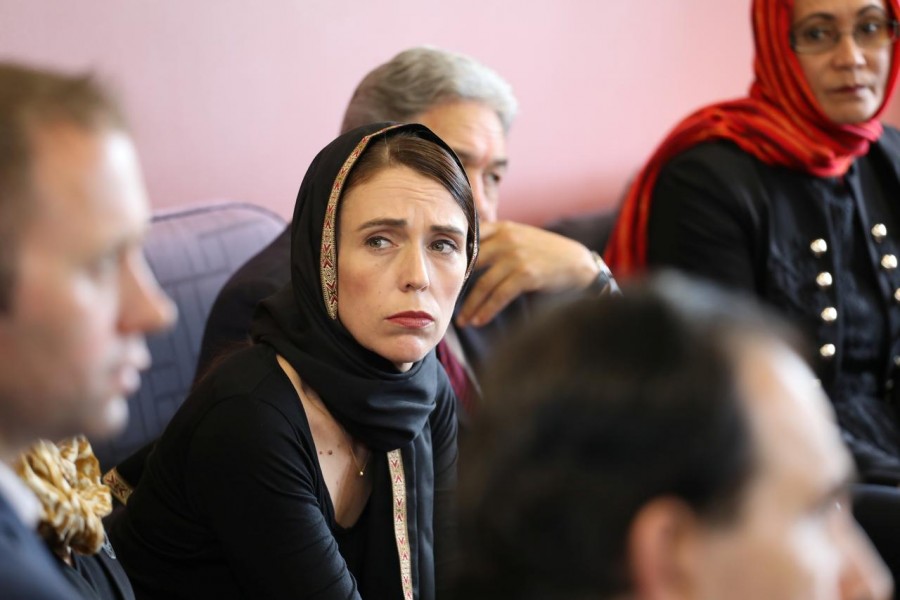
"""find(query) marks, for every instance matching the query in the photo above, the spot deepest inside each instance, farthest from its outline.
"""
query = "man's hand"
(520, 258)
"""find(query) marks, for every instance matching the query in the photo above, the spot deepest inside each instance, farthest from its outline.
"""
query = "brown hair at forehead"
(420, 155)
(31, 99)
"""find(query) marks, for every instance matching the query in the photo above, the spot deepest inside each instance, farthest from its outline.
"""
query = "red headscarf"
(780, 123)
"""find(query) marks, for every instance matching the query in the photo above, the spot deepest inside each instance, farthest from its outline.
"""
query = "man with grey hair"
(76, 296)
(471, 108)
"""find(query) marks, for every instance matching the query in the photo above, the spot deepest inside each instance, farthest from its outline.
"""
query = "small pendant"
(361, 473)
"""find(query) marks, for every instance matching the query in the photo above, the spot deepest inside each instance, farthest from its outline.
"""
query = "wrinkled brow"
(401, 223)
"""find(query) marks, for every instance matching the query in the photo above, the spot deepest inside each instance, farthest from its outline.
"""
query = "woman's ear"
(664, 551)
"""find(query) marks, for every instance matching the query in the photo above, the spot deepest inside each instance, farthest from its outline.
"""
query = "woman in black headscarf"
(320, 462)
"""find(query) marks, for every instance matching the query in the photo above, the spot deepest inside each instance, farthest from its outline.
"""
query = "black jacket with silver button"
(720, 213)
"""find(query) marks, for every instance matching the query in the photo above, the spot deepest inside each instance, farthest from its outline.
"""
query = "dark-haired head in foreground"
(667, 444)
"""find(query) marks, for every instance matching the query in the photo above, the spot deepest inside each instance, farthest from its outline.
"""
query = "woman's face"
(848, 80)
(401, 263)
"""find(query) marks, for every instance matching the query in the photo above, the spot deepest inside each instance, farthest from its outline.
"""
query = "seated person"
(320, 462)
(65, 477)
(472, 108)
(76, 296)
(668, 444)
(788, 195)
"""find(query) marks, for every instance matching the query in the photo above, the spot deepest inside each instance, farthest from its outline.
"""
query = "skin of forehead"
(793, 425)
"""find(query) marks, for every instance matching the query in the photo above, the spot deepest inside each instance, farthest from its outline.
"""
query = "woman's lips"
(849, 90)
(412, 319)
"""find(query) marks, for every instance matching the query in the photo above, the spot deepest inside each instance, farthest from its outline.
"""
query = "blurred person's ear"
(663, 554)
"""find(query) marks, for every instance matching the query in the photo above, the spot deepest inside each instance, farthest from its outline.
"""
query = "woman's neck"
(343, 461)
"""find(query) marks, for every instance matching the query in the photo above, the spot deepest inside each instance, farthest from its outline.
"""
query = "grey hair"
(422, 77)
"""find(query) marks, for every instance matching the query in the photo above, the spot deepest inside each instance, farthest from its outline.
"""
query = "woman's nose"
(414, 272)
(848, 53)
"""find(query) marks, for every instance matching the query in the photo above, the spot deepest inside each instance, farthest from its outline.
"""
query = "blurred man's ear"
(663, 551)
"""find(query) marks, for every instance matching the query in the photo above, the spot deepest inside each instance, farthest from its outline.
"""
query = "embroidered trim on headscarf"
(329, 247)
(66, 480)
(118, 486)
(401, 529)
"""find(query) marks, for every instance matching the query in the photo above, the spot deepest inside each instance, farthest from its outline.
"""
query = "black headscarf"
(376, 404)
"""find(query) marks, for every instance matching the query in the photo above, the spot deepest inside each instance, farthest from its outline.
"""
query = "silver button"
(879, 232)
(889, 261)
(897, 361)
(829, 315)
(819, 247)
(824, 280)
(827, 351)
(897, 295)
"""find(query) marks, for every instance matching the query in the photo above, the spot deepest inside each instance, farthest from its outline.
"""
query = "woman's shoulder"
(718, 170)
(241, 369)
(890, 139)
(722, 158)
(247, 414)
(246, 391)
(251, 372)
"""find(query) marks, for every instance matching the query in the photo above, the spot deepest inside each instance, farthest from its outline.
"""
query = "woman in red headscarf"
(792, 194)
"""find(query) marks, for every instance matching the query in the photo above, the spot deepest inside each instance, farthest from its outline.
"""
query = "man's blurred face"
(72, 344)
(794, 537)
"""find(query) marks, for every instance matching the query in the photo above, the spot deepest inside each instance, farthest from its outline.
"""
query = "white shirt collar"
(22, 500)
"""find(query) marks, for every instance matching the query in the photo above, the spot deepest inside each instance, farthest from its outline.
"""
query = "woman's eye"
(377, 242)
(870, 28)
(444, 246)
(817, 33)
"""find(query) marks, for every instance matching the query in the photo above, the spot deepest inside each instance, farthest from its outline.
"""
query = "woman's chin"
(851, 112)
(404, 367)
(404, 358)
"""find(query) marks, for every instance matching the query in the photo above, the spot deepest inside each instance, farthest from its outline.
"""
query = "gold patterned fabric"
(401, 521)
(118, 486)
(66, 479)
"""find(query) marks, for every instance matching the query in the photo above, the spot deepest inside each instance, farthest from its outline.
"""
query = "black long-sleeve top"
(232, 503)
(822, 251)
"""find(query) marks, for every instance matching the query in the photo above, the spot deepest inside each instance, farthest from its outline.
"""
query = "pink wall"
(232, 99)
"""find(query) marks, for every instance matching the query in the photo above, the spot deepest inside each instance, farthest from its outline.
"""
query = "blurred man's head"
(666, 444)
(76, 296)
(464, 102)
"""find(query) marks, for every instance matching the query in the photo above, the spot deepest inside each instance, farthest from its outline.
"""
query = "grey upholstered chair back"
(192, 251)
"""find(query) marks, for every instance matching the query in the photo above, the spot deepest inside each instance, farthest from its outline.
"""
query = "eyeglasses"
(816, 38)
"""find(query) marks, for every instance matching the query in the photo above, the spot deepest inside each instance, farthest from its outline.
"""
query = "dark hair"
(424, 156)
(589, 414)
(30, 99)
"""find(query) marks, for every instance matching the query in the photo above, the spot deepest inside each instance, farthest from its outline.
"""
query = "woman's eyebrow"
(400, 223)
(831, 17)
(385, 222)
(816, 16)
(448, 229)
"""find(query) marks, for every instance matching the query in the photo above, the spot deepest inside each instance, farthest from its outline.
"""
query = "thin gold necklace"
(360, 469)
(314, 401)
